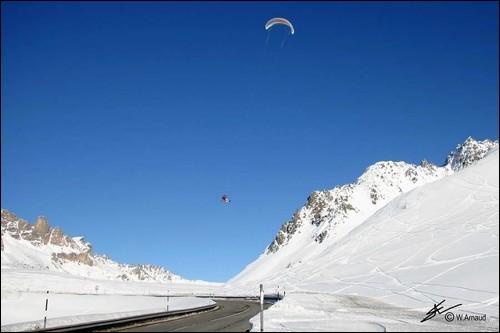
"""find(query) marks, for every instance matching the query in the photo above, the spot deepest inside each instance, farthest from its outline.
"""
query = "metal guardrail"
(111, 323)
(106, 324)
(267, 297)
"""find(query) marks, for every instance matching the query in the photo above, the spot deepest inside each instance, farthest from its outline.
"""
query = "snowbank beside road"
(74, 299)
(22, 310)
(310, 312)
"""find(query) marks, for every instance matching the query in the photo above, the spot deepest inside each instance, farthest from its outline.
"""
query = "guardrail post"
(46, 307)
(168, 300)
(261, 308)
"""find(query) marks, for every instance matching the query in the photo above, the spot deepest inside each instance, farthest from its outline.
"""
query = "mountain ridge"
(328, 215)
(40, 246)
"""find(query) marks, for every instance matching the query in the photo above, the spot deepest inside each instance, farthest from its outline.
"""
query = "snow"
(66, 309)
(81, 293)
(320, 312)
(437, 242)
(337, 212)
(40, 281)
(21, 253)
(76, 299)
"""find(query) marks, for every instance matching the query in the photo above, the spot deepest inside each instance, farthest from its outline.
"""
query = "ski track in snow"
(436, 242)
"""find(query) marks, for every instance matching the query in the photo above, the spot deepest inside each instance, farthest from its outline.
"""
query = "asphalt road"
(232, 316)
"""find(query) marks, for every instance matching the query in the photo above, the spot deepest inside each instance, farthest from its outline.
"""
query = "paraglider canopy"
(225, 199)
(280, 20)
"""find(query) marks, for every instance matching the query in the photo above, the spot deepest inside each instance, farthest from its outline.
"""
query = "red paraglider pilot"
(225, 199)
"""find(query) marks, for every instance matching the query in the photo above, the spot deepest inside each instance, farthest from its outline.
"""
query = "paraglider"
(280, 20)
(225, 199)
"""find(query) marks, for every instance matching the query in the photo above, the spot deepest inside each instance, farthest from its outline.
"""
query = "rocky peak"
(469, 153)
(15, 226)
(41, 226)
(286, 232)
(8, 216)
(67, 254)
(57, 237)
(40, 233)
(380, 183)
(427, 165)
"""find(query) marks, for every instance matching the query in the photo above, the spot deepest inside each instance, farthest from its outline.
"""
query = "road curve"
(232, 316)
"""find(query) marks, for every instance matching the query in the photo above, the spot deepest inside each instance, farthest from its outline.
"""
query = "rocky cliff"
(40, 246)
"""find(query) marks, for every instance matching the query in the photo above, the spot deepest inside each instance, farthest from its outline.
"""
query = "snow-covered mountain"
(41, 247)
(469, 153)
(329, 215)
(436, 244)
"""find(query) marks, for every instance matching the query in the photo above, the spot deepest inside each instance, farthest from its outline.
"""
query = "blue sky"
(126, 121)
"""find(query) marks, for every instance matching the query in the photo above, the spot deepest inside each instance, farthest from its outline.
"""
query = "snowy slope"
(437, 242)
(331, 214)
(40, 247)
(83, 286)
(20, 254)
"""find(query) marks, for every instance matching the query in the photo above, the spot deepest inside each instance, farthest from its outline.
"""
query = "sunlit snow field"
(437, 242)
(74, 299)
